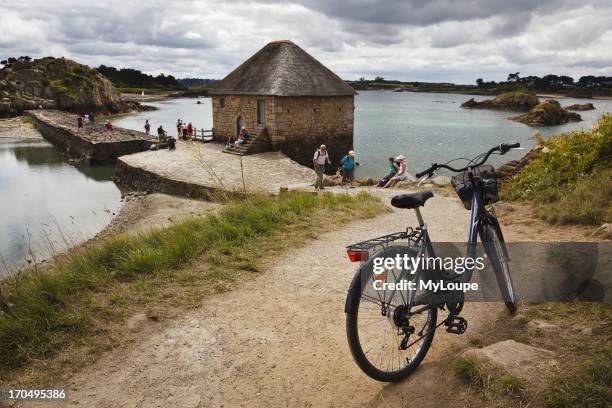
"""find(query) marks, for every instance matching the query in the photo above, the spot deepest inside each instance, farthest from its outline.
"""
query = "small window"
(222, 102)
(261, 112)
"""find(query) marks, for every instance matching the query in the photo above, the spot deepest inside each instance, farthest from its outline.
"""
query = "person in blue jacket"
(347, 168)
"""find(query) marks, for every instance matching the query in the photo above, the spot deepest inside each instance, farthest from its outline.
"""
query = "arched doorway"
(239, 124)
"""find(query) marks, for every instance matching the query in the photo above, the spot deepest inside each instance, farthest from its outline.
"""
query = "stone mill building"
(288, 101)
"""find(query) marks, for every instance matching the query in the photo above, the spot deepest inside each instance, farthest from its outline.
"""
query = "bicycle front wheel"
(495, 248)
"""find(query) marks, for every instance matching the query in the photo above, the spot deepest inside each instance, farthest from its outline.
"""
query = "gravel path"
(278, 340)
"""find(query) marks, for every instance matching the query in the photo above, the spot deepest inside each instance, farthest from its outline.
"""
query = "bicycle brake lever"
(426, 177)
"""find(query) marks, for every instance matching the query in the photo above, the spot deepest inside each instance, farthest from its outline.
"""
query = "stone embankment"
(202, 171)
(92, 143)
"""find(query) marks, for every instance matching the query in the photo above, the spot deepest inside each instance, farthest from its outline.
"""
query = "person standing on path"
(190, 130)
(320, 159)
(179, 129)
(347, 168)
(147, 126)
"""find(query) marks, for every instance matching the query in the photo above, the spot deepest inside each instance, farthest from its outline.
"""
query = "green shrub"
(572, 181)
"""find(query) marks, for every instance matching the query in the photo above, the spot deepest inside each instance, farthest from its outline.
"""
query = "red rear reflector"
(357, 256)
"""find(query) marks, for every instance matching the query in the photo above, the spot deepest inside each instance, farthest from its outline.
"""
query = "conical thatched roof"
(281, 68)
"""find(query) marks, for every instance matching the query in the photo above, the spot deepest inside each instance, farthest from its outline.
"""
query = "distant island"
(586, 87)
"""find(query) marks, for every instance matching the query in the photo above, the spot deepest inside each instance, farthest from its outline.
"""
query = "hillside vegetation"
(571, 180)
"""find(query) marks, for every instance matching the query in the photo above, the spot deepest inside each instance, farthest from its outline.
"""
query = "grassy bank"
(581, 375)
(572, 182)
(84, 293)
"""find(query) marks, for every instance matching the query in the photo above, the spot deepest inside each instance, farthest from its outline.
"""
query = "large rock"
(511, 101)
(56, 83)
(519, 359)
(579, 107)
(512, 167)
(547, 113)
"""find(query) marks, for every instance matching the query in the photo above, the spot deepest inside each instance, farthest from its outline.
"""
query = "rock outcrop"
(513, 167)
(547, 113)
(580, 107)
(55, 83)
(511, 101)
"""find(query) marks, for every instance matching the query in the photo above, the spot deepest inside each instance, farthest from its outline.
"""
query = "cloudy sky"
(423, 40)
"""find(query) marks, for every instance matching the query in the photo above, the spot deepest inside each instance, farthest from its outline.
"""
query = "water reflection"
(47, 203)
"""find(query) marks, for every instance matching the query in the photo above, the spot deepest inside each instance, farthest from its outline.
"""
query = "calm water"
(424, 127)
(48, 204)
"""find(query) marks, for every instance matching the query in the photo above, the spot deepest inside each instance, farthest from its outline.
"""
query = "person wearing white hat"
(347, 168)
(320, 159)
(401, 172)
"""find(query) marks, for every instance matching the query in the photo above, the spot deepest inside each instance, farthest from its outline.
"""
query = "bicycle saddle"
(412, 200)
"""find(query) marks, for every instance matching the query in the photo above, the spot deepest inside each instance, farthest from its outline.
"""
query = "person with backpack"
(320, 159)
(347, 168)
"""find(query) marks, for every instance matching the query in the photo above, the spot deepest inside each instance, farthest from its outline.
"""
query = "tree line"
(550, 82)
(133, 78)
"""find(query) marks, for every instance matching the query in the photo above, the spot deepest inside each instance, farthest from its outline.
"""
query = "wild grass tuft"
(42, 311)
(588, 385)
(489, 380)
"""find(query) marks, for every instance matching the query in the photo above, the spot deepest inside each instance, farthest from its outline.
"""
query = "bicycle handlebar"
(502, 148)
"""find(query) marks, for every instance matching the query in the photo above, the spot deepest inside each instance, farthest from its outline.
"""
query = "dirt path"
(278, 340)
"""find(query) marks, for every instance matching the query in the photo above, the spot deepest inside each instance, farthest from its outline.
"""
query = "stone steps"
(258, 144)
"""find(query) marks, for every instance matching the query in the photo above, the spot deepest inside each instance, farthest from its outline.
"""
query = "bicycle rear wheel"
(388, 335)
(495, 248)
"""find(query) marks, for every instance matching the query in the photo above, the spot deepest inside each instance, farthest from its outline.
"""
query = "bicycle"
(409, 317)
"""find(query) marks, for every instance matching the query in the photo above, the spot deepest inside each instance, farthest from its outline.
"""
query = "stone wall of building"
(295, 125)
(227, 110)
(301, 124)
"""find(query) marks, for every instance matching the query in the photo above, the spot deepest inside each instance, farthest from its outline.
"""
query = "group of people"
(183, 130)
(321, 159)
(347, 167)
(397, 172)
(243, 137)
(83, 120)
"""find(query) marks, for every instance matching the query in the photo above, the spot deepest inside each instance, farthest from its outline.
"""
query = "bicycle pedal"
(456, 325)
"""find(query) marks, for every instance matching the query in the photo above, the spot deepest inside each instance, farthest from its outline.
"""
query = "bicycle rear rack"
(410, 235)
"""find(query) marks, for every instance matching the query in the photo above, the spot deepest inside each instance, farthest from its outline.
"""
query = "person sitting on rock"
(400, 175)
(392, 170)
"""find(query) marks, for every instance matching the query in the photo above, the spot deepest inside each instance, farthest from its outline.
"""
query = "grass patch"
(490, 381)
(42, 312)
(588, 385)
(572, 182)
(26, 119)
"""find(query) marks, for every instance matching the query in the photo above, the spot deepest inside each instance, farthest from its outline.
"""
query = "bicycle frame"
(478, 212)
